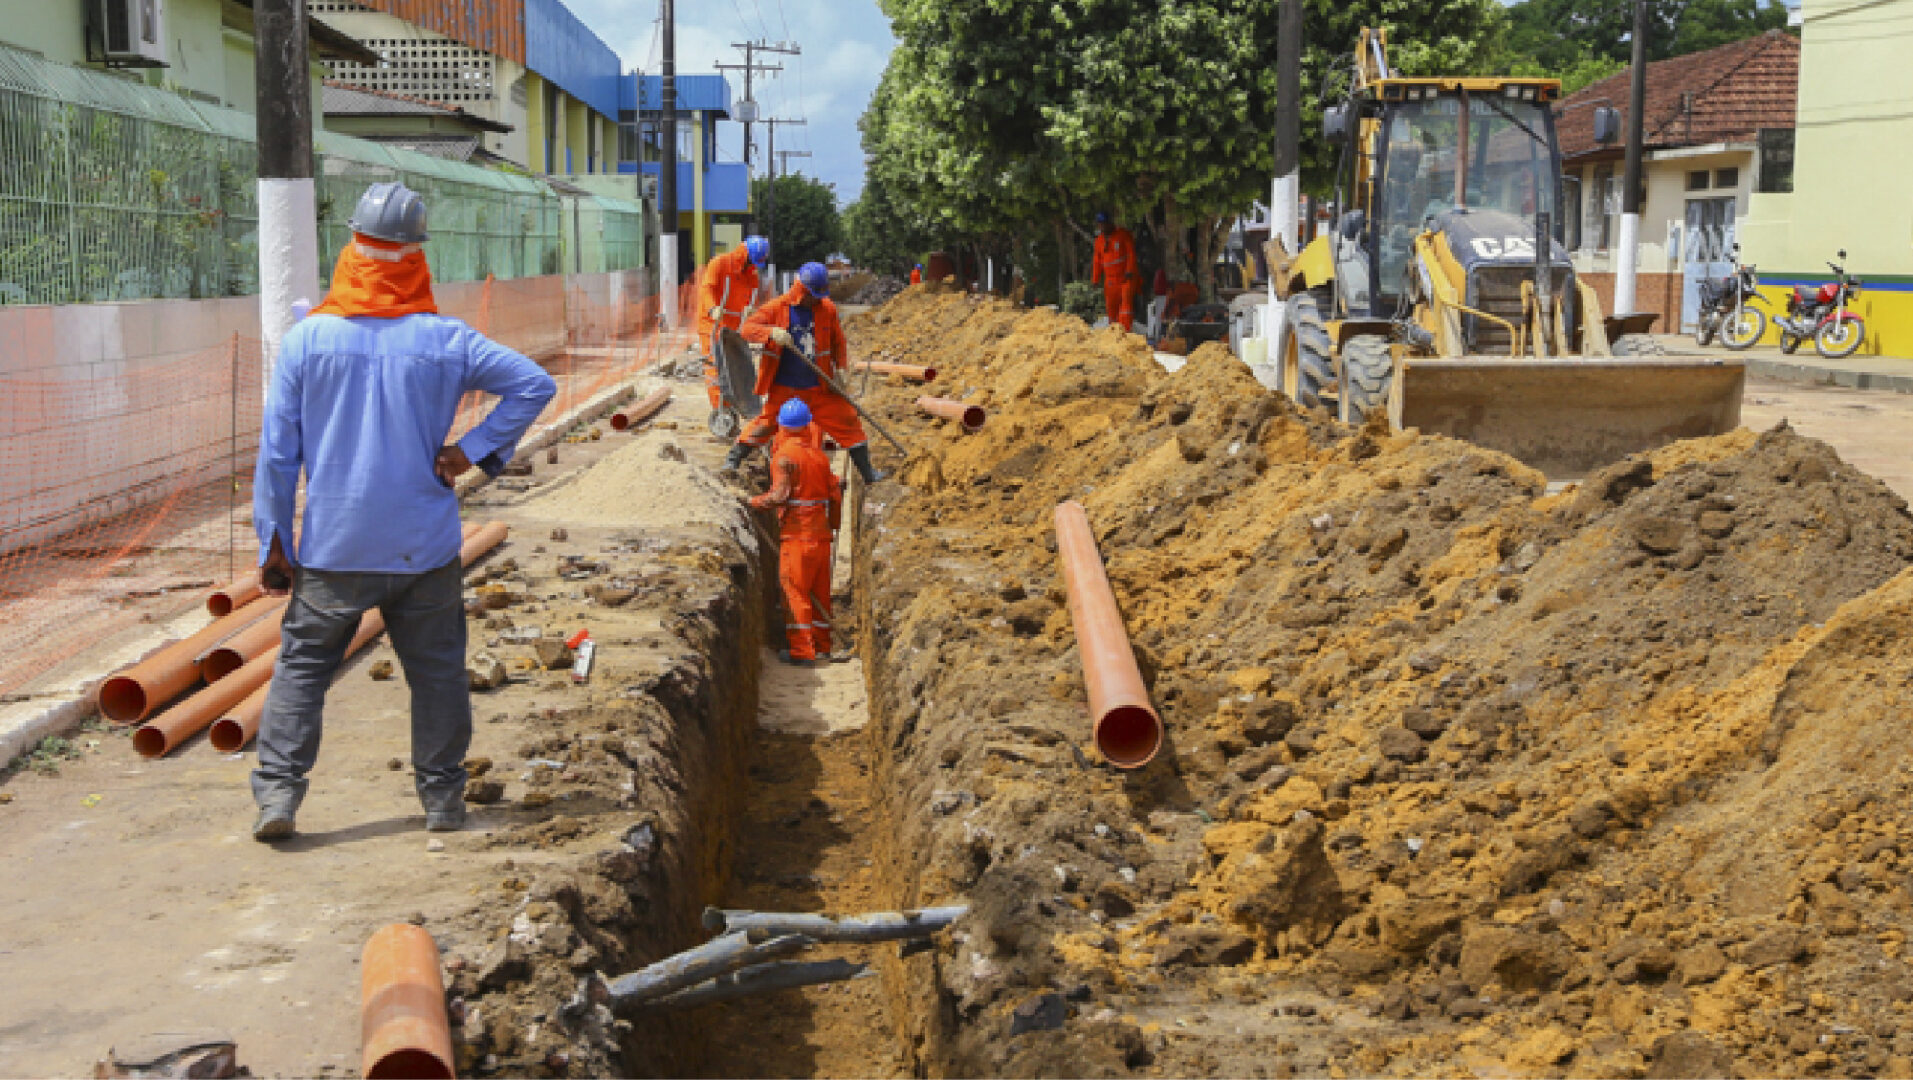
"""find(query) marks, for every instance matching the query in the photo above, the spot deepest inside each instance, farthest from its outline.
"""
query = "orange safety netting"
(126, 488)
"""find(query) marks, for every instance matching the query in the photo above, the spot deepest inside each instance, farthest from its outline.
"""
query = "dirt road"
(1871, 429)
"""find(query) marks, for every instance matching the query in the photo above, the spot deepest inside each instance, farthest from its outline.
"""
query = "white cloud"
(845, 43)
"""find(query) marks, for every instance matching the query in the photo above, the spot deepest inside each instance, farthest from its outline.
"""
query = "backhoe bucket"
(1569, 417)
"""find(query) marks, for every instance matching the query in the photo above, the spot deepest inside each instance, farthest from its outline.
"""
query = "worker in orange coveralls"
(802, 322)
(809, 501)
(916, 275)
(725, 292)
(1115, 266)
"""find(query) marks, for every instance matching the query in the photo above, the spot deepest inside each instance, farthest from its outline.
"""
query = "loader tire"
(1638, 345)
(1367, 370)
(1302, 327)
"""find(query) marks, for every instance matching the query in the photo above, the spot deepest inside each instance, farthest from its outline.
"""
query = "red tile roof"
(1724, 94)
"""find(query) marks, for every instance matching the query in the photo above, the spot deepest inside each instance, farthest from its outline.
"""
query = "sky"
(845, 45)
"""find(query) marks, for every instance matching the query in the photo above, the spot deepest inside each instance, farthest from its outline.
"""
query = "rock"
(1044, 1012)
(560, 535)
(1203, 946)
(1409, 925)
(1782, 946)
(484, 792)
(395, 764)
(1516, 959)
(1651, 964)
(1275, 880)
(1702, 964)
(1682, 1054)
(671, 452)
(1425, 722)
(1401, 744)
(1398, 1003)
(1716, 524)
(380, 671)
(502, 964)
(1543, 1049)
(1590, 819)
(477, 766)
(610, 595)
(1300, 743)
(435, 845)
(1269, 719)
(486, 672)
(1659, 535)
(1467, 1008)
(553, 653)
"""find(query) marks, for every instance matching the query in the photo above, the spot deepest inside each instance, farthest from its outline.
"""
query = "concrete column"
(700, 221)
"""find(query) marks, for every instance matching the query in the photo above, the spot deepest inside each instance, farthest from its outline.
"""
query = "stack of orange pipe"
(908, 371)
(131, 695)
(1126, 728)
(234, 704)
(236, 651)
(402, 1021)
(642, 411)
(970, 416)
(240, 723)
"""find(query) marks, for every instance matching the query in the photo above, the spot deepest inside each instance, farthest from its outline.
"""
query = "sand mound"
(1597, 783)
(644, 483)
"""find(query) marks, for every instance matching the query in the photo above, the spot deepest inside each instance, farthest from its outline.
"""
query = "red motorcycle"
(1823, 316)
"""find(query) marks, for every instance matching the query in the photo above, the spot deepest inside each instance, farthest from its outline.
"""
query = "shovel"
(837, 388)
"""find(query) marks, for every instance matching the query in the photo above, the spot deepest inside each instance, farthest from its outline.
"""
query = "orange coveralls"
(809, 501)
(729, 282)
(827, 411)
(1115, 266)
(916, 275)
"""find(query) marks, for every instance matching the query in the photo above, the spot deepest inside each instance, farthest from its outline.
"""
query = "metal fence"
(113, 190)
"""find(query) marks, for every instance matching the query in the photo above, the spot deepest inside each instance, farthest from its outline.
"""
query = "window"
(1571, 213)
(1605, 204)
(1697, 180)
(1776, 161)
(1727, 178)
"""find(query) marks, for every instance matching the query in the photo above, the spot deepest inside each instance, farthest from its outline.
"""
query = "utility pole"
(288, 209)
(770, 195)
(668, 172)
(1284, 196)
(1624, 277)
(748, 111)
(784, 156)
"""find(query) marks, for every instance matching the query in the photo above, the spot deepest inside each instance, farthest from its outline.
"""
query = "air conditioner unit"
(133, 32)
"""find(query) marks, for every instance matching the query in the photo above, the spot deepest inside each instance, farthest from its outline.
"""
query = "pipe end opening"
(220, 663)
(226, 735)
(929, 374)
(123, 700)
(973, 417)
(1129, 736)
(619, 421)
(219, 605)
(149, 741)
(409, 1064)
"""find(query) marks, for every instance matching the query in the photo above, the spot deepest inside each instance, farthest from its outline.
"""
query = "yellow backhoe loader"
(1429, 298)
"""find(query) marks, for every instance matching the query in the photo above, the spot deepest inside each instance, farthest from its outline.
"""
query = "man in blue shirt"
(363, 398)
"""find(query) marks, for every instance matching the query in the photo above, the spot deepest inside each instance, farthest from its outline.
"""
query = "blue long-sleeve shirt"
(363, 405)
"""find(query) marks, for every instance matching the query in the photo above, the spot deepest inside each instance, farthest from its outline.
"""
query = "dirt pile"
(873, 290)
(1461, 774)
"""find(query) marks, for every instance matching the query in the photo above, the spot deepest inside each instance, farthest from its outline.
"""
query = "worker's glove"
(717, 312)
(782, 338)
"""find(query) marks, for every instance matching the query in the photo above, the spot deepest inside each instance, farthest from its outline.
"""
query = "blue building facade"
(713, 196)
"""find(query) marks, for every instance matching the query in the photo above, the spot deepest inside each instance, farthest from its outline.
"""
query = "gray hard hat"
(390, 211)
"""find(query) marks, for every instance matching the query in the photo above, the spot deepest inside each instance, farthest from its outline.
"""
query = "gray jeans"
(425, 618)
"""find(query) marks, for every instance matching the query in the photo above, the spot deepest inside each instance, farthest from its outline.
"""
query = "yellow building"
(1852, 155)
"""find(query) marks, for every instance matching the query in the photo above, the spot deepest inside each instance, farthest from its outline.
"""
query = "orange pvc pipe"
(132, 694)
(231, 733)
(233, 653)
(233, 595)
(163, 733)
(1126, 728)
(970, 416)
(402, 1007)
(642, 411)
(908, 371)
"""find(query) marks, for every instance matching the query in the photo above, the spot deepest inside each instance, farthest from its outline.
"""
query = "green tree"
(1559, 34)
(805, 223)
(884, 235)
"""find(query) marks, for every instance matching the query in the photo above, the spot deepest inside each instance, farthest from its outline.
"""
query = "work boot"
(786, 657)
(447, 818)
(735, 459)
(860, 457)
(274, 823)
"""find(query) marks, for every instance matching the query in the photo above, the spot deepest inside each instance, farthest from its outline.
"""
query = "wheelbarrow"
(736, 384)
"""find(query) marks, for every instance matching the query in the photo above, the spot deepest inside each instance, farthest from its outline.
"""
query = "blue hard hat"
(1102, 217)
(759, 249)
(793, 414)
(815, 279)
(390, 211)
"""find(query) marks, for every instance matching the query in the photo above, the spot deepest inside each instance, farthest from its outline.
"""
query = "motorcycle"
(1823, 316)
(1724, 308)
